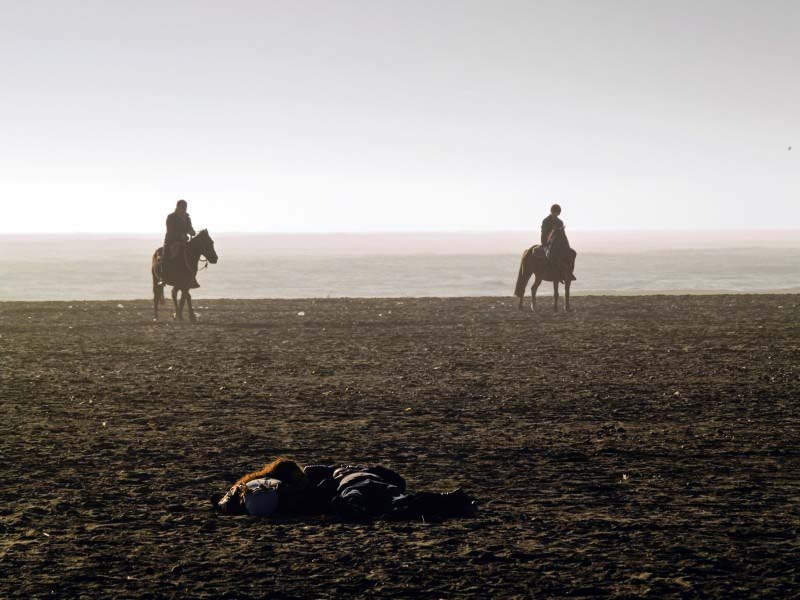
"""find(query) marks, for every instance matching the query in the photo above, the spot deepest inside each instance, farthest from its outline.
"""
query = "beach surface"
(639, 445)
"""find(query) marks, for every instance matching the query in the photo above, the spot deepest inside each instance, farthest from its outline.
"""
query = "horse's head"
(206, 246)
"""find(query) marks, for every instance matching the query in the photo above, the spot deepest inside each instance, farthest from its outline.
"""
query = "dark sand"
(647, 444)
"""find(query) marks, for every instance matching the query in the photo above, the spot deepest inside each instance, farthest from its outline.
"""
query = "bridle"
(200, 258)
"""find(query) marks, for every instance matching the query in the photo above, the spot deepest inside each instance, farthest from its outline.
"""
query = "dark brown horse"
(181, 274)
(558, 268)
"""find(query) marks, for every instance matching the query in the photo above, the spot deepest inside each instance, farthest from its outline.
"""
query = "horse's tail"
(158, 284)
(525, 272)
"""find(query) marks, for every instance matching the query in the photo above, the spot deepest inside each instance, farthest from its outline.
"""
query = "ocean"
(109, 267)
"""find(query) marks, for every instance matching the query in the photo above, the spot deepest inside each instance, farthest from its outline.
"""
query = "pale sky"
(399, 116)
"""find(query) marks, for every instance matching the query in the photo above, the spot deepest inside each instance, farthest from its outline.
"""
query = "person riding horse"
(550, 226)
(552, 260)
(176, 262)
(179, 230)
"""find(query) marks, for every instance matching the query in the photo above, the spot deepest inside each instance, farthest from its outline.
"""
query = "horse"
(182, 278)
(559, 267)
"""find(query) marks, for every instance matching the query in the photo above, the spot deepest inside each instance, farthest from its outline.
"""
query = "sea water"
(393, 265)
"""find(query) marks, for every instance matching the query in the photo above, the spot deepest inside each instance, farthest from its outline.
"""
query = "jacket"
(179, 226)
(550, 224)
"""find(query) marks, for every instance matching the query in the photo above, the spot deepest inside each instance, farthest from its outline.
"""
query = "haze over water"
(395, 265)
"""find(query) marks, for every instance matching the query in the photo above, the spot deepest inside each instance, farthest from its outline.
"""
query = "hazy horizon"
(733, 232)
(251, 245)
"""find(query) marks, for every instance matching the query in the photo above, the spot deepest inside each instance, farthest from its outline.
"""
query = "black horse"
(557, 266)
(181, 274)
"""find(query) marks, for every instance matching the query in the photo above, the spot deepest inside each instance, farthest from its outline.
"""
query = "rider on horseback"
(552, 260)
(179, 230)
(560, 256)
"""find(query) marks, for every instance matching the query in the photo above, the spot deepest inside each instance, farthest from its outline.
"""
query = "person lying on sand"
(285, 487)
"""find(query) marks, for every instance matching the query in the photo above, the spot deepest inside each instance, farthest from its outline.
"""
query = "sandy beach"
(638, 445)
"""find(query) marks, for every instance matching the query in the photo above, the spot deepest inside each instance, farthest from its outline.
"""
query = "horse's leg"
(155, 288)
(534, 288)
(155, 300)
(192, 316)
(566, 295)
(555, 296)
(181, 303)
(176, 314)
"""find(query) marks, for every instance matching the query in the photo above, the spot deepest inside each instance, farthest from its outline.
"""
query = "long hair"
(283, 469)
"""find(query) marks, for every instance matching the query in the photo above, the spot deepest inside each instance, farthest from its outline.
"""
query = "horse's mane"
(283, 469)
(202, 238)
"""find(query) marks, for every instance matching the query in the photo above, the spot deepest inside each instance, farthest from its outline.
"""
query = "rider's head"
(555, 210)
(181, 206)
